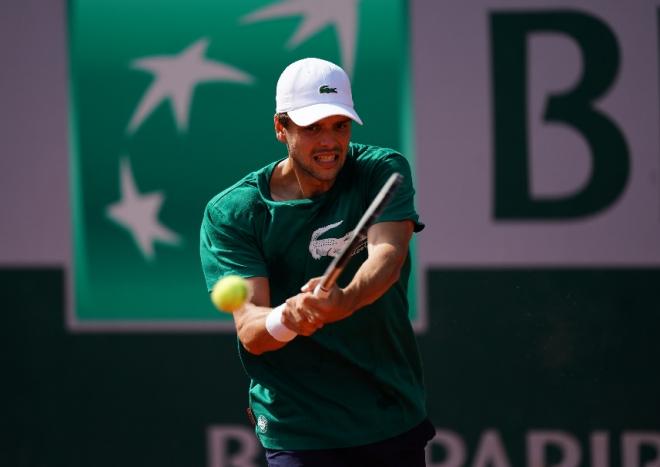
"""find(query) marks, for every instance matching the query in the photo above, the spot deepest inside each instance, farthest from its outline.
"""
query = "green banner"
(172, 102)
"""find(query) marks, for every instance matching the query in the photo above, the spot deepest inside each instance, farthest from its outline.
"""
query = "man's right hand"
(300, 317)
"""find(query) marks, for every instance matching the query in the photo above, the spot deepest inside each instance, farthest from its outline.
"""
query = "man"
(335, 381)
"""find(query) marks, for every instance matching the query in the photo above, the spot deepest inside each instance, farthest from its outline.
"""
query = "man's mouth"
(326, 157)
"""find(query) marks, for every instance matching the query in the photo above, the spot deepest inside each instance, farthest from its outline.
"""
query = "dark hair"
(283, 118)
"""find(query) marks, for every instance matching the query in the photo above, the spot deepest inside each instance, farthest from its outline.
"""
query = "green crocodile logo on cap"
(325, 89)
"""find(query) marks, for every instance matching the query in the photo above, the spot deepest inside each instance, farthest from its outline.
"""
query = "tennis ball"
(230, 293)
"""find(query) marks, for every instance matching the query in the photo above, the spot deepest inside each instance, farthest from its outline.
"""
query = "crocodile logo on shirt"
(332, 246)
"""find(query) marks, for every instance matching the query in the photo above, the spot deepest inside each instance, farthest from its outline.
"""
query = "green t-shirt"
(356, 381)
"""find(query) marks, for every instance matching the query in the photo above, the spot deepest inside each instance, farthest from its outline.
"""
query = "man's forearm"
(376, 275)
(251, 330)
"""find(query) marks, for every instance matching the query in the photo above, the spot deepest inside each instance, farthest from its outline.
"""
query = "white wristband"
(275, 327)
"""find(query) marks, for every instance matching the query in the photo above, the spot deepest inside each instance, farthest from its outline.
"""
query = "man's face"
(318, 151)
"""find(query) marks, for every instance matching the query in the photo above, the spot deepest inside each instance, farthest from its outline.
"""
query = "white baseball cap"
(311, 89)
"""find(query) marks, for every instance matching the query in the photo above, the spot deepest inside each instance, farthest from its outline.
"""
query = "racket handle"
(320, 292)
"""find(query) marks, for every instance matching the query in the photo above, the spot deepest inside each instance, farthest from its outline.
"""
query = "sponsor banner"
(236, 445)
(537, 132)
(173, 102)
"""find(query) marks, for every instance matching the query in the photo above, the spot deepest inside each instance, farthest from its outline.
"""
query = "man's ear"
(280, 131)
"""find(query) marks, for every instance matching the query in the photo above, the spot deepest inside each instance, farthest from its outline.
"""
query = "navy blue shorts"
(403, 450)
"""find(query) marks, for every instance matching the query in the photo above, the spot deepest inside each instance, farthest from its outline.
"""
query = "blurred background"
(532, 129)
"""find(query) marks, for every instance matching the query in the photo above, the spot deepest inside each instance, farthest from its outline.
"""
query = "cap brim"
(313, 113)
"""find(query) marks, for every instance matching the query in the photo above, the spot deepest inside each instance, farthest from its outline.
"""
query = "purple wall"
(34, 199)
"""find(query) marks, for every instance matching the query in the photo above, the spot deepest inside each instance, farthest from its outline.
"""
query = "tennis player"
(335, 381)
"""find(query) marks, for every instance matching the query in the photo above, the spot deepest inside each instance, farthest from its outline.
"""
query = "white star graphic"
(138, 213)
(175, 78)
(317, 15)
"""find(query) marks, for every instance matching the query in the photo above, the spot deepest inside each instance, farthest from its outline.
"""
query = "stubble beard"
(306, 167)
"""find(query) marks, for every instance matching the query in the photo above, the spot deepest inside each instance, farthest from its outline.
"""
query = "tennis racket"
(340, 261)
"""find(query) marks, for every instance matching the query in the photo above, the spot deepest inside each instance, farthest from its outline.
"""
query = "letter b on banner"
(574, 108)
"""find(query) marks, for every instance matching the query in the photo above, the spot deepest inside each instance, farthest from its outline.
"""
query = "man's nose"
(327, 138)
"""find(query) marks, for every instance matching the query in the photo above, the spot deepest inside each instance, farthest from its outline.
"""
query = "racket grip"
(320, 292)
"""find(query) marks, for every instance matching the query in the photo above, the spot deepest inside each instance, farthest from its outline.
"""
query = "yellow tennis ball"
(230, 293)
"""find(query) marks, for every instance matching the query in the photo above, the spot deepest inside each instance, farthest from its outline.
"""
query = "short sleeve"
(402, 204)
(228, 244)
